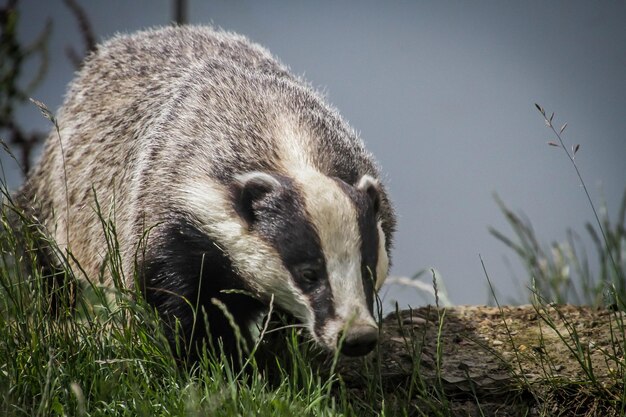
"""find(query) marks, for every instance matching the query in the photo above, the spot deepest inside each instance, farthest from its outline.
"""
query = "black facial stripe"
(368, 231)
(185, 263)
(282, 221)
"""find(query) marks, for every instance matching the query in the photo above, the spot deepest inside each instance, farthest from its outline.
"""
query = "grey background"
(442, 93)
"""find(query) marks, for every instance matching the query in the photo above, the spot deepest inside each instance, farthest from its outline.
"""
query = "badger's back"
(156, 129)
(110, 125)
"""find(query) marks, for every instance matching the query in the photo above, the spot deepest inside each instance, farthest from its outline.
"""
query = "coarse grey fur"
(162, 125)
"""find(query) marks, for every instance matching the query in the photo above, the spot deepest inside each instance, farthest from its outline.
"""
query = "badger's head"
(321, 251)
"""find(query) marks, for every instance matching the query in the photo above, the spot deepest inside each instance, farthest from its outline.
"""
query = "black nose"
(359, 340)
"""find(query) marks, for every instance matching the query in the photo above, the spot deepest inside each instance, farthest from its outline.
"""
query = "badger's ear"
(249, 188)
(369, 185)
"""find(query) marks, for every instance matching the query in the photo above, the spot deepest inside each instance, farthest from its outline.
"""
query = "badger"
(231, 183)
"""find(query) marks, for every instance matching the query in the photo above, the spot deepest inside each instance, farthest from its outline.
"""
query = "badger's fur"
(221, 171)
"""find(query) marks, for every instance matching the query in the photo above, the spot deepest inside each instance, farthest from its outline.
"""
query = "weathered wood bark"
(528, 360)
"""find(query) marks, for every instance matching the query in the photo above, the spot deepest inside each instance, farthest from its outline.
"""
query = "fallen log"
(473, 360)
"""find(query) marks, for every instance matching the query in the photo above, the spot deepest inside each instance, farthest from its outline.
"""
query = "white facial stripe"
(334, 217)
(253, 258)
(292, 145)
(382, 267)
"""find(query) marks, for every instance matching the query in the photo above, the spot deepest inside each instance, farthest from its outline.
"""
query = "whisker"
(288, 326)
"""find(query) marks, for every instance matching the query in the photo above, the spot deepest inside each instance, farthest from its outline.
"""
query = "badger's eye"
(311, 271)
(309, 274)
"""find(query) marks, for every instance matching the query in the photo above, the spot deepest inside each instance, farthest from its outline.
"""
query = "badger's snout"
(358, 340)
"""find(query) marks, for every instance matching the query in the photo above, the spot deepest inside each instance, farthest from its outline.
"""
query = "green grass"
(104, 353)
(562, 274)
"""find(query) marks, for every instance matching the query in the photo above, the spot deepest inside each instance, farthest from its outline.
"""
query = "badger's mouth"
(352, 338)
